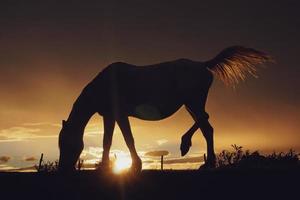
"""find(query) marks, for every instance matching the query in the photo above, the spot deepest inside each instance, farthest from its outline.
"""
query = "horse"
(153, 92)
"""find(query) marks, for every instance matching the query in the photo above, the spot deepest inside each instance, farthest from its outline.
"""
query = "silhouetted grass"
(239, 159)
(46, 167)
(239, 173)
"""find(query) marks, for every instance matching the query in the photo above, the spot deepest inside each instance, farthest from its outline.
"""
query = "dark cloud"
(3, 137)
(148, 161)
(30, 159)
(4, 159)
(157, 153)
(185, 160)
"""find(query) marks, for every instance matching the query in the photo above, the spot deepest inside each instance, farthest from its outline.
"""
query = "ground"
(152, 184)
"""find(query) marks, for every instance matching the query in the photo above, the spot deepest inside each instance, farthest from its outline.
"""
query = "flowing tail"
(235, 63)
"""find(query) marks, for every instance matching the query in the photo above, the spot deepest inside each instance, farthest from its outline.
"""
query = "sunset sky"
(50, 51)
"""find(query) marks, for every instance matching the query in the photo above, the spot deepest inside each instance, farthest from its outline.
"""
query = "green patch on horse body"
(154, 112)
(148, 112)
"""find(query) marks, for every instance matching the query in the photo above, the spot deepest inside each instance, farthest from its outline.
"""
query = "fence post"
(40, 163)
(162, 162)
(79, 164)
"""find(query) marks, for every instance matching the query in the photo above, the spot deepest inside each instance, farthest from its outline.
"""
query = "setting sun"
(121, 163)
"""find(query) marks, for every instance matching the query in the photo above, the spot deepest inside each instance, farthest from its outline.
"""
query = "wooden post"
(78, 164)
(162, 162)
(40, 163)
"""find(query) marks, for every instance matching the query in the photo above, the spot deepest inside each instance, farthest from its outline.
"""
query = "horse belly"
(155, 105)
(153, 112)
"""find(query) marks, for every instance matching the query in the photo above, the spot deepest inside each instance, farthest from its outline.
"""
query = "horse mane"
(234, 63)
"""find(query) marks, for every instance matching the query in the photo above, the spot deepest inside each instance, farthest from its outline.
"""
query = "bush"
(240, 159)
(47, 166)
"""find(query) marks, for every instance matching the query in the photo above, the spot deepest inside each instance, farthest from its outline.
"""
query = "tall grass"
(238, 158)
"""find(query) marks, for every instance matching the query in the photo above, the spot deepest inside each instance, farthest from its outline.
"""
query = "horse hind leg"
(201, 119)
(186, 139)
(124, 125)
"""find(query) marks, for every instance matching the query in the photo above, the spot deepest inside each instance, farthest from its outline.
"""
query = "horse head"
(70, 146)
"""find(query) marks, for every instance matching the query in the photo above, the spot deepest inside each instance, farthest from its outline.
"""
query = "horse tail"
(234, 63)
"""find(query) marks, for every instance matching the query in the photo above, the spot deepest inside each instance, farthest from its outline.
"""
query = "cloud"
(19, 130)
(2, 137)
(24, 169)
(185, 160)
(4, 159)
(148, 161)
(28, 131)
(161, 142)
(175, 163)
(93, 129)
(8, 168)
(30, 159)
(91, 153)
(40, 124)
(18, 133)
(4, 167)
(157, 153)
(47, 128)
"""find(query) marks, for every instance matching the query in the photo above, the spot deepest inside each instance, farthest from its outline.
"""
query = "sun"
(121, 163)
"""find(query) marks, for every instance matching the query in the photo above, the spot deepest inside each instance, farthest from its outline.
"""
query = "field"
(153, 184)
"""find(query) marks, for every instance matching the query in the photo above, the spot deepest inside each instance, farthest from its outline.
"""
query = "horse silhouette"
(152, 92)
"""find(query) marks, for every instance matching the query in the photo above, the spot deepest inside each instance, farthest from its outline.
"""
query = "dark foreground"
(227, 184)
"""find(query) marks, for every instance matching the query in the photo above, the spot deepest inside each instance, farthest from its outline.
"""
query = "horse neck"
(79, 117)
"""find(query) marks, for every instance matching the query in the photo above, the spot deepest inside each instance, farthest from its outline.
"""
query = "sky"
(50, 50)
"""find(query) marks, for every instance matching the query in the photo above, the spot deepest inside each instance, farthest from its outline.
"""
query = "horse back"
(158, 90)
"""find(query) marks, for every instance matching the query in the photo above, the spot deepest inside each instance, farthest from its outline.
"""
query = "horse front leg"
(128, 137)
(109, 125)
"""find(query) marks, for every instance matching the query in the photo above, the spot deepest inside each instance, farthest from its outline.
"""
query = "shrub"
(47, 166)
(240, 159)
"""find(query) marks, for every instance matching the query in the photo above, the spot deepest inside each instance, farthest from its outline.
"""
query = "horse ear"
(64, 123)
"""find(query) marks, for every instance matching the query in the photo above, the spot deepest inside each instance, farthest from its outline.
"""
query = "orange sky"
(49, 52)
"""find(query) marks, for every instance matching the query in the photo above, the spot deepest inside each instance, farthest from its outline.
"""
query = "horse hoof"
(65, 170)
(136, 166)
(185, 145)
(104, 167)
(207, 166)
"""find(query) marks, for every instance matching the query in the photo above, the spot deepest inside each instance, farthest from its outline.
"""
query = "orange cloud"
(4, 159)
(157, 153)
(29, 159)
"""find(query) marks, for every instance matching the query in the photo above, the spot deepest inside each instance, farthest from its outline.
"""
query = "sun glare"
(121, 164)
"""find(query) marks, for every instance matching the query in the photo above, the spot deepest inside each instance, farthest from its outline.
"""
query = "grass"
(239, 159)
(239, 174)
(47, 167)
(152, 184)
